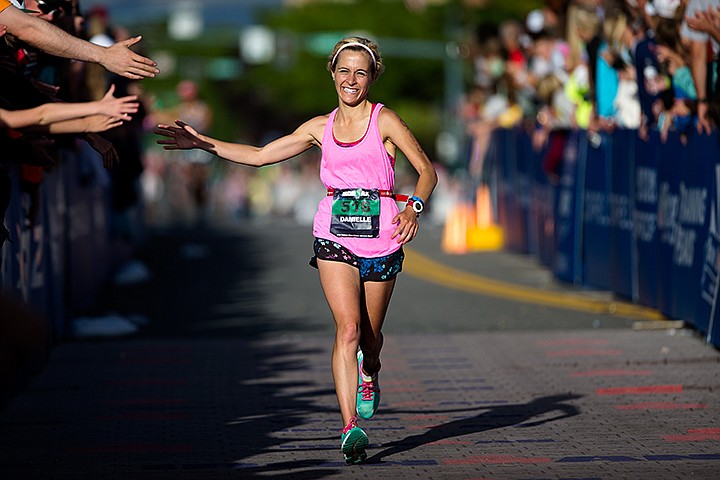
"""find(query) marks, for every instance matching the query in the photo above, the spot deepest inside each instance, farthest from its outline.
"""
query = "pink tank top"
(363, 164)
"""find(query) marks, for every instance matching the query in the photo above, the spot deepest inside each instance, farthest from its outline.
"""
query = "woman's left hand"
(407, 225)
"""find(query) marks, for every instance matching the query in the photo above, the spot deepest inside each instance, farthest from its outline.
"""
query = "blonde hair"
(546, 88)
(358, 44)
(586, 21)
(613, 29)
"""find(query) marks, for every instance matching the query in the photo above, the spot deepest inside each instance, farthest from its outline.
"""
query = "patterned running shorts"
(379, 269)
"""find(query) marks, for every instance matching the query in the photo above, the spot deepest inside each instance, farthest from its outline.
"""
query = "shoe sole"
(354, 447)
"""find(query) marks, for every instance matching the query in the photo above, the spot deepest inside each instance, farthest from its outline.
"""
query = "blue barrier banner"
(9, 251)
(568, 211)
(498, 155)
(693, 207)
(544, 195)
(11, 248)
(513, 191)
(710, 281)
(709, 284)
(668, 199)
(646, 215)
(639, 218)
(540, 213)
(58, 223)
(596, 214)
(529, 159)
(622, 259)
(697, 170)
(714, 327)
(27, 266)
(526, 157)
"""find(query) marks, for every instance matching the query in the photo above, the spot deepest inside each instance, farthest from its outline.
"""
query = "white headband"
(355, 44)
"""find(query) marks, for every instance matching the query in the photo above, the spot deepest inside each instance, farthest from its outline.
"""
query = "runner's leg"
(341, 285)
(375, 301)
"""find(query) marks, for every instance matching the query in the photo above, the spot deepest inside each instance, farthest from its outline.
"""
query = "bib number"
(355, 213)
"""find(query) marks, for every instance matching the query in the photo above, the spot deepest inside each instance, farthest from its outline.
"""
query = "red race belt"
(383, 193)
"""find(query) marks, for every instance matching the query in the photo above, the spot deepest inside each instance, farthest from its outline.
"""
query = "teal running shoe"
(368, 392)
(353, 443)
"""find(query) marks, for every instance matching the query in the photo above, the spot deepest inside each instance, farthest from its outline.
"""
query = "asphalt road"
(207, 282)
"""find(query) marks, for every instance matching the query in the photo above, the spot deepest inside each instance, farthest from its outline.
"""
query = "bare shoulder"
(388, 117)
(315, 127)
(390, 124)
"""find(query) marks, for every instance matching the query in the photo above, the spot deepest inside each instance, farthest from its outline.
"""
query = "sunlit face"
(352, 76)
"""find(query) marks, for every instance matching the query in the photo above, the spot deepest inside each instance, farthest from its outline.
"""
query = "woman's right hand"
(181, 136)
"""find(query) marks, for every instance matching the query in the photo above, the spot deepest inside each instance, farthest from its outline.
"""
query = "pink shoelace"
(367, 389)
(351, 424)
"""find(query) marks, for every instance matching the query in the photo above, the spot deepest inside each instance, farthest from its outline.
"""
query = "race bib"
(355, 213)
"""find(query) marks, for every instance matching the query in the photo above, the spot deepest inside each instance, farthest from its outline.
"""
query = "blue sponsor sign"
(567, 223)
(707, 307)
(514, 216)
(646, 191)
(525, 178)
(541, 216)
(596, 213)
(623, 260)
(26, 263)
(696, 169)
(669, 161)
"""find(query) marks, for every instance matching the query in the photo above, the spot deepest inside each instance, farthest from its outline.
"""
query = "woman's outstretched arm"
(182, 136)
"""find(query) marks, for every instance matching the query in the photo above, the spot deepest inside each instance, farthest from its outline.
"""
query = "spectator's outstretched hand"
(703, 121)
(104, 148)
(45, 88)
(707, 21)
(119, 108)
(118, 58)
(100, 123)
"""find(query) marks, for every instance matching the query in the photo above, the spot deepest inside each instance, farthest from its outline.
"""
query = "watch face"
(418, 207)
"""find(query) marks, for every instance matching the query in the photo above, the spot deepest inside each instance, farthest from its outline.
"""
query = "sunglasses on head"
(50, 6)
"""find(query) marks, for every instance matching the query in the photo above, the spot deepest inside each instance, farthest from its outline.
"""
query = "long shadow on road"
(207, 388)
(523, 415)
(195, 393)
(207, 286)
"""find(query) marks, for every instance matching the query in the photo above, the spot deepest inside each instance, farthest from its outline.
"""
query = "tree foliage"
(299, 86)
(296, 86)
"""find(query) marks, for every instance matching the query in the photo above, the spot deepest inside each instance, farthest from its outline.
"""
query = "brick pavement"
(599, 404)
(231, 381)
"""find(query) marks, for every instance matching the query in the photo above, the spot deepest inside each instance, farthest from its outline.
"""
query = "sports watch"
(417, 205)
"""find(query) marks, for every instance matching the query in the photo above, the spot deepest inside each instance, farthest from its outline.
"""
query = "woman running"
(358, 228)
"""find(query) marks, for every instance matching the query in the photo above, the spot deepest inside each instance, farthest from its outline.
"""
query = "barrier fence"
(638, 218)
(61, 250)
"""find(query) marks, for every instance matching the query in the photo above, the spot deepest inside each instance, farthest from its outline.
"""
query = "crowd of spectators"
(596, 65)
(53, 108)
